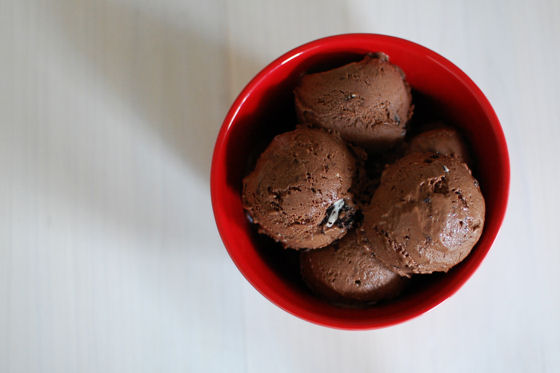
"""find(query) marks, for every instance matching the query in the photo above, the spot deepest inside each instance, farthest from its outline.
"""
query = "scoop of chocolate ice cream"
(445, 141)
(298, 192)
(426, 215)
(367, 102)
(348, 272)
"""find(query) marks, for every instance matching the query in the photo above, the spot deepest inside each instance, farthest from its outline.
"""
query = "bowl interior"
(265, 108)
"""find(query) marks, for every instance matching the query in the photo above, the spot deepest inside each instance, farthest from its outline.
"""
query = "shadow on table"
(170, 70)
(174, 76)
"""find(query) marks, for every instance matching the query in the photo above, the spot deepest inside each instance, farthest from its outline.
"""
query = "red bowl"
(265, 108)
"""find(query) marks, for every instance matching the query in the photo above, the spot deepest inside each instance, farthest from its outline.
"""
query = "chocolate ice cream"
(426, 215)
(445, 141)
(348, 272)
(367, 102)
(298, 192)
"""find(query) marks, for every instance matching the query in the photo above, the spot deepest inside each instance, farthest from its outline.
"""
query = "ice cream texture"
(426, 215)
(348, 272)
(445, 141)
(298, 192)
(368, 102)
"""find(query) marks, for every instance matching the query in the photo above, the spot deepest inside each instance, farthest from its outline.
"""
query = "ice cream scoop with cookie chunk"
(299, 192)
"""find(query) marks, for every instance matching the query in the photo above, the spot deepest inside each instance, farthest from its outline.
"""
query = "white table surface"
(110, 260)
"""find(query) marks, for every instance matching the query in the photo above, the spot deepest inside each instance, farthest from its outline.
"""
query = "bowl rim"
(261, 286)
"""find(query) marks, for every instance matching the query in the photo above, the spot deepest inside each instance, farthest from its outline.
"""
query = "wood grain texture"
(109, 256)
